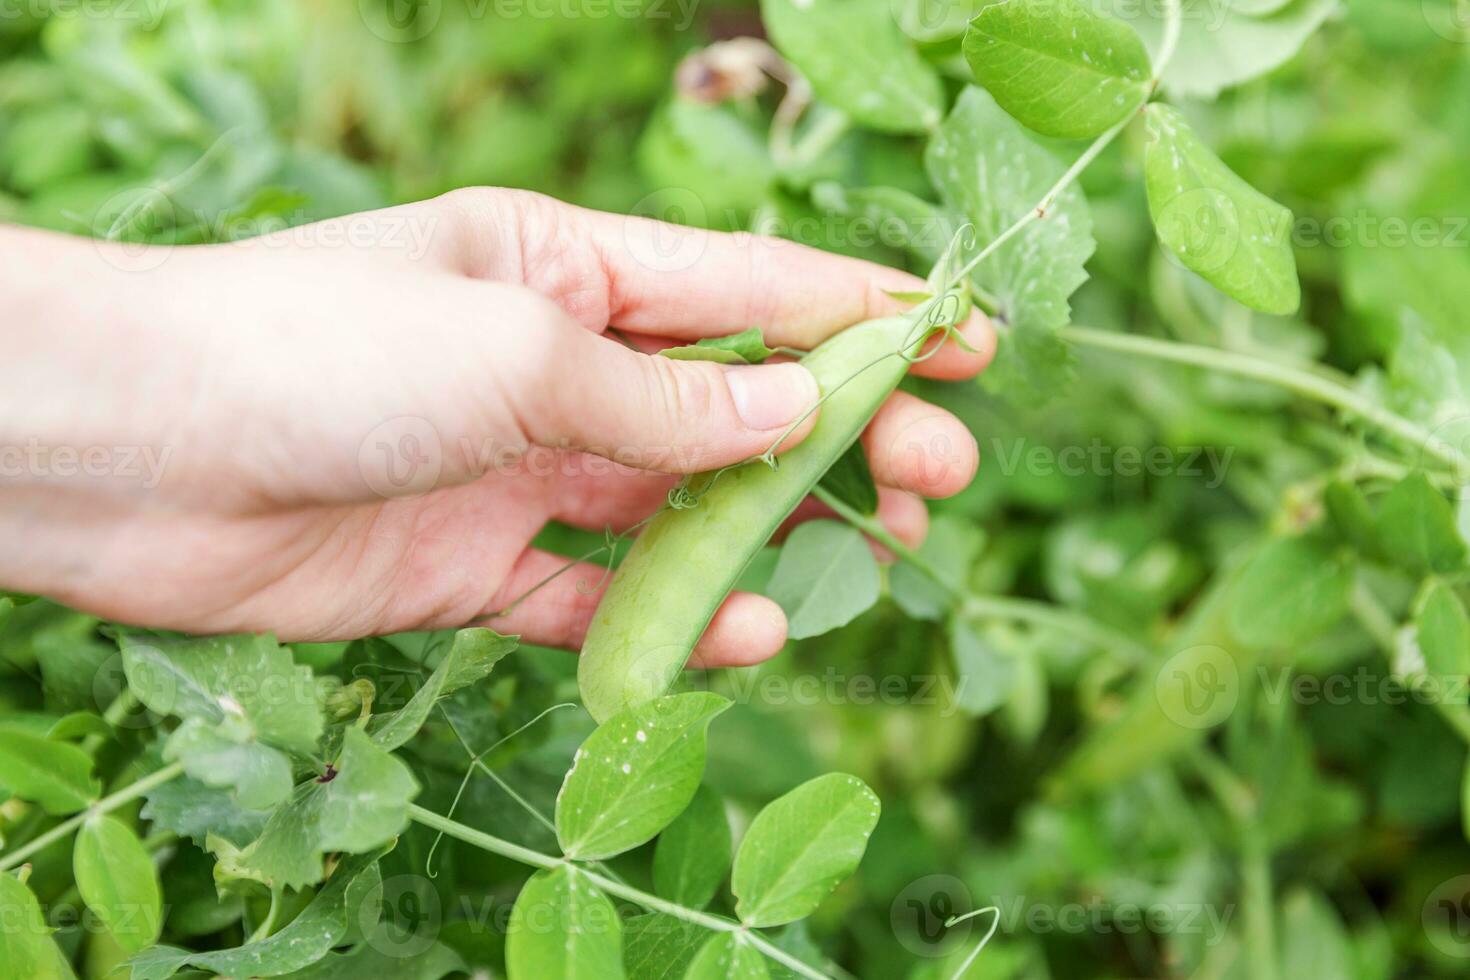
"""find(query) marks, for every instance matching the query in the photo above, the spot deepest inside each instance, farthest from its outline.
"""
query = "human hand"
(358, 427)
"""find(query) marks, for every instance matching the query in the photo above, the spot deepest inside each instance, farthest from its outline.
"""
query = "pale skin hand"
(464, 342)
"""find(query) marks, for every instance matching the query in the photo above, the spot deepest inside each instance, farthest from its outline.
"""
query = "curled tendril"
(683, 498)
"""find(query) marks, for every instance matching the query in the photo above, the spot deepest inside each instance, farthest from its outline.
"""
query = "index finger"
(689, 283)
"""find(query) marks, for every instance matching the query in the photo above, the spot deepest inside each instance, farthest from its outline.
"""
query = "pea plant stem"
(105, 805)
(974, 605)
(1300, 381)
(525, 855)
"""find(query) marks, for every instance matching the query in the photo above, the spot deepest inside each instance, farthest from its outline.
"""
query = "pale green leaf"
(728, 956)
(372, 961)
(26, 947)
(117, 879)
(634, 774)
(984, 675)
(225, 756)
(1417, 527)
(657, 946)
(191, 809)
(950, 549)
(989, 171)
(250, 677)
(857, 59)
(563, 928)
(800, 847)
(825, 578)
(473, 654)
(745, 347)
(1443, 632)
(1220, 227)
(57, 775)
(1291, 590)
(1056, 66)
(693, 853)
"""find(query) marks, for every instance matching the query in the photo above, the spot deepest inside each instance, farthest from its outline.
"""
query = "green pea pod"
(687, 560)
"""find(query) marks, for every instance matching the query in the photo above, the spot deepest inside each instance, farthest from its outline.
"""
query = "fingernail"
(770, 396)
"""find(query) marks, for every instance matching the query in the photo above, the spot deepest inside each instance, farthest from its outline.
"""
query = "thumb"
(655, 413)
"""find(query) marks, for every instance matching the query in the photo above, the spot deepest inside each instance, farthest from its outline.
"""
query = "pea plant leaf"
(826, 577)
(1291, 590)
(117, 879)
(1417, 527)
(195, 810)
(985, 675)
(303, 941)
(658, 946)
(851, 481)
(472, 655)
(728, 956)
(989, 171)
(634, 774)
(226, 755)
(361, 804)
(1443, 631)
(56, 775)
(1226, 42)
(26, 946)
(693, 853)
(562, 926)
(745, 347)
(1056, 66)
(249, 677)
(950, 549)
(858, 60)
(800, 847)
(1230, 234)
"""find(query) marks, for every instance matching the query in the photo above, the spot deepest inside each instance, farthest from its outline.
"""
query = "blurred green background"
(1328, 829)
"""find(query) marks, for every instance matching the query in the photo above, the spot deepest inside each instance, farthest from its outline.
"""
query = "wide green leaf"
(303, 941)
(57, 775)
(857, 59)
(990, 172)
(1417, 527)
(1217, 225)
(851, 481)
(800, 847)
(1443, 632)
(693, 853)
(728, 956)
(226, 755)
(1056, 66)
(657, 946)
(1292, 589)
(192, 809)
(371, 961)
(985, 675)
(359, 805)
(26, 947)
(248, 677)
(473, 654)
(826, 577)
(117, 879)
(634, 774)
(563, 928)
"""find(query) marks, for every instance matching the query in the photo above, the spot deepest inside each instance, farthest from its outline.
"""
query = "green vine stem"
(1312, 384)
(525, 855)
(105, 805)
(974, 605)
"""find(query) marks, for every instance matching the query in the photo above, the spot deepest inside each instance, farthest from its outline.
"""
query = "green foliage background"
(1324, 832)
